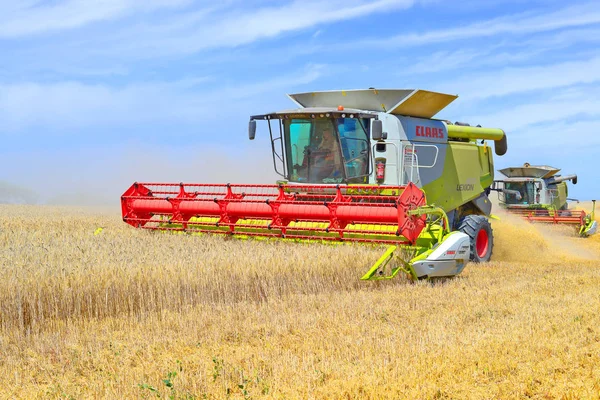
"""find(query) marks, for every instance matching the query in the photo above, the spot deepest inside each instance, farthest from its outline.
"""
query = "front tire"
(478, 228)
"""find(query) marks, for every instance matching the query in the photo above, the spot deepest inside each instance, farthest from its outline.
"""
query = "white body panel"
(592, 230)
(448, 259)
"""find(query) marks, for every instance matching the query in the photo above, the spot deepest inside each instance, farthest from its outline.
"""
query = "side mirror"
(252, 129)
(377, 130)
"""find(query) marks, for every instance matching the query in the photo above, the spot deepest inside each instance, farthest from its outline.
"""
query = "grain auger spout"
(361, 166)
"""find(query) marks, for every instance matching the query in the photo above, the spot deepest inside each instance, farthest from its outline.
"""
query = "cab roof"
(316, 112)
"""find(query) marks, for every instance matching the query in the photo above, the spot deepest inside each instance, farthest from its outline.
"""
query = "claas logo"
(427, 131)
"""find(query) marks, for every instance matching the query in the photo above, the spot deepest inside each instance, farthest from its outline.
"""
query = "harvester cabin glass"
(525, 189)
(327, 150)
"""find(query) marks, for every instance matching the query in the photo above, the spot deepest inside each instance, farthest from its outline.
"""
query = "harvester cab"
(369, 166)
(538, 194)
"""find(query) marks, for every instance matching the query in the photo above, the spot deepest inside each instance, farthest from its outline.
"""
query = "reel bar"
(300, 211)
(572, 217)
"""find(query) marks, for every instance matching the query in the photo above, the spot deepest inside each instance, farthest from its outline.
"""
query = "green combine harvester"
(364, 166)
(537, 194)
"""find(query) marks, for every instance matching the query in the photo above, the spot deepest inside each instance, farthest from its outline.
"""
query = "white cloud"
(297, 15)
(207, 25)
(563, 135)
(505, 52)
(237, 25)
(75, 104)
(560, 131)
(526, 23)
(562, 38)
(523, 117)
(513, 80)
(33, 17)
(569, 145)
(546, 114)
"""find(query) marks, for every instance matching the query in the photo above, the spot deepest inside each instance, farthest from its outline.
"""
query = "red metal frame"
(573, 217)
(156, 205)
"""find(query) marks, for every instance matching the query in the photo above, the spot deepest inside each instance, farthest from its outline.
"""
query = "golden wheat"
(129, 314)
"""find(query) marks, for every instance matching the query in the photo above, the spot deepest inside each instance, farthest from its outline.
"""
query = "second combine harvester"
(538, 194)
(368, 166)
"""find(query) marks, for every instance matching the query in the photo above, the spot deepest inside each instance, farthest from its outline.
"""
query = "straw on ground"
(128, 314)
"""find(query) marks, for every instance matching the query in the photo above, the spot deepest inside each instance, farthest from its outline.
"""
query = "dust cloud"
(11, 193)
(516, 240)
(98, 176)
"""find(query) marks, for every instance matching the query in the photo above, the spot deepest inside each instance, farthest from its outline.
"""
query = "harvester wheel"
(482, 238)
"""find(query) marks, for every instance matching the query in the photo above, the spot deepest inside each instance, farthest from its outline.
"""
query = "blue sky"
(97, 94)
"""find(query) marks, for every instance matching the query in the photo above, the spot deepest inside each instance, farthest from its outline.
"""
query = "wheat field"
(126, 313)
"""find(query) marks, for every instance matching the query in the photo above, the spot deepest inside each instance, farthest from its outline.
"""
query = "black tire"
(482, 237)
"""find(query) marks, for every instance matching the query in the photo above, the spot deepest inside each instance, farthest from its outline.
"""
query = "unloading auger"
(364, 166)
